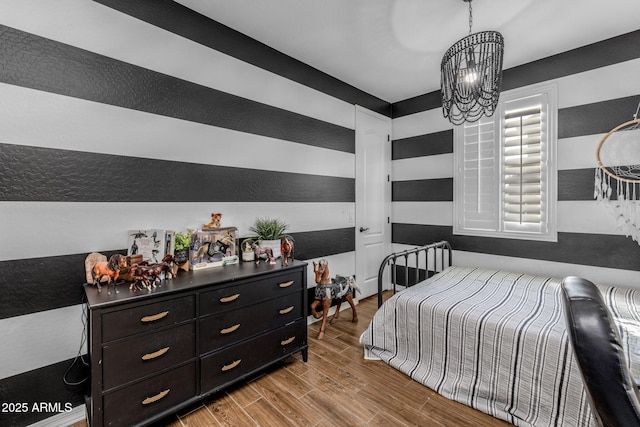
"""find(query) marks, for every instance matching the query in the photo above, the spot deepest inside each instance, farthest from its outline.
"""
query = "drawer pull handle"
(231, 365)
(157, 397)
(155, 354)
(230, 329)
(286, 284)
(287, 341)
(286, 310)
(230, 298)
(147, 319)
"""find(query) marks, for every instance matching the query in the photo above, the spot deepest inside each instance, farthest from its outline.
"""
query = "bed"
(490, 339)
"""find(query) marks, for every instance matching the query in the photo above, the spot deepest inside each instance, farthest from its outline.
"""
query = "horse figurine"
(109, 269)
(144, 272)
(286, 250)
(263, 253)
(327, 290)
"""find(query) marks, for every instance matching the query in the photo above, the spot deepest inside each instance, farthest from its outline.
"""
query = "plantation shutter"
(523, 186)
(505, 174)
(480, 180)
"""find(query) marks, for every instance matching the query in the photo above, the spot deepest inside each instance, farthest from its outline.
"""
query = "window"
(505, 183)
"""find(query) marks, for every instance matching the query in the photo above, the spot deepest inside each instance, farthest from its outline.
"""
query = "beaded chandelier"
(471, 75)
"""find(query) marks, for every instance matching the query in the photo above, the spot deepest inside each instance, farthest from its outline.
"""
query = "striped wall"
(122, 114)
(598, 89)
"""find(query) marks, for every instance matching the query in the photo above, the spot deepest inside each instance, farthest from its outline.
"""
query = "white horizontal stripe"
(42, 119)
(578, 152)
(40, 339)
(599, 275)
(97, 28)
(588, 216)
(601, 84)
(427, 167)
(420, 123)
(431, 213)
(71, 228)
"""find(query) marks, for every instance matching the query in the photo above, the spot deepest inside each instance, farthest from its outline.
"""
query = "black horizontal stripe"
(419, 103)
(573, 184)
(44, 174)
(39, 63)
(595, 118)
(180, 20)
(310, 245)
(599, 250)
(576, 184)
(590, 57)
(601, 54)
(38, 284)
(47, 283)
(422, 190)
(423, 145)
(43, 386)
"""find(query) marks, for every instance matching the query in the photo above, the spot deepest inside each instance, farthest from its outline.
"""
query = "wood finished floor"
(335, 387)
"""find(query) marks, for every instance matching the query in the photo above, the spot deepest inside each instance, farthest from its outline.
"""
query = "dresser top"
(186, 280)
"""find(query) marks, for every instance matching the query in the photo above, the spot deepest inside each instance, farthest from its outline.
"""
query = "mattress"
(496, 341)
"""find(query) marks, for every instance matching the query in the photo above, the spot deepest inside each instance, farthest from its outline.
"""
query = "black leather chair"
(613, 394)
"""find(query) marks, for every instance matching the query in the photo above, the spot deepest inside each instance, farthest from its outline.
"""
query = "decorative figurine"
(109, 269)
(263, 253)
(286, 250)
(143, 273)
(215, 221)
(327, 289)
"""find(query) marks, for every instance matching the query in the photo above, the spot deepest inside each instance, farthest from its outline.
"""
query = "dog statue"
(327, 289)
(215, 221)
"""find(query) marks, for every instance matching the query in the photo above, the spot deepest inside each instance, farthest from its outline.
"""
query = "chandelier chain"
(470, 17)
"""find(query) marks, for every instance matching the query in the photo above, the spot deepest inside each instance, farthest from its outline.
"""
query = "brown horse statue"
(286, 250)
(109, 269)
(263, 253)
(148, 275)
(327, 290)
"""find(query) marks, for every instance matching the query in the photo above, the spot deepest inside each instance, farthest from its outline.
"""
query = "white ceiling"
(392, 48)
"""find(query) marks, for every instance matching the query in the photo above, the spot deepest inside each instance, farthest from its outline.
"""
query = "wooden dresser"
(154, 352)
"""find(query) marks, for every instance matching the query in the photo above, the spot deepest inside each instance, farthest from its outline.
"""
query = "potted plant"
(269, 231)
(181, 251)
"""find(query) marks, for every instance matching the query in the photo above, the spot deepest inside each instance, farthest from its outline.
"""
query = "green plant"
(183, 240)
(269, 229)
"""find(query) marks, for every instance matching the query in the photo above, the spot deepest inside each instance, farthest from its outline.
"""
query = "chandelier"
(471, 75)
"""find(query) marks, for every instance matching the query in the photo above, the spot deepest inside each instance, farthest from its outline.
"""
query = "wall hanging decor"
(471, 75)
(617, 177)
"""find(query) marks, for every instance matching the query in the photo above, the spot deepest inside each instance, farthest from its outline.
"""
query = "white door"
(373, 196)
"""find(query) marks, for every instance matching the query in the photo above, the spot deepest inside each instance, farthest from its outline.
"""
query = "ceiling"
(392, 48)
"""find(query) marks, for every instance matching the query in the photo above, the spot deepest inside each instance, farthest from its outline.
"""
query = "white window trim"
(551, 234)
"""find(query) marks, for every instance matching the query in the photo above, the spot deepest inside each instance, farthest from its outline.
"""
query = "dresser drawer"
(145, 399)
(246, 293)
(230, 327)
(138, 356)
(122, 323)
(223, 367)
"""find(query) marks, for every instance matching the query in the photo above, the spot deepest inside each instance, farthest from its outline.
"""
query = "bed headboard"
(408, 263)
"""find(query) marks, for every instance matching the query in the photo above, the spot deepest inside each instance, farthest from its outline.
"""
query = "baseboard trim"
(64, 418)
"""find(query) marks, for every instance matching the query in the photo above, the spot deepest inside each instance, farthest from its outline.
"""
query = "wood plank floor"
(335, 387)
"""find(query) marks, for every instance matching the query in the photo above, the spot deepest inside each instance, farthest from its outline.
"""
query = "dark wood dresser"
(154, 352)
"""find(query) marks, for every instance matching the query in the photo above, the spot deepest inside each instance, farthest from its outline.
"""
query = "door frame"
(360, 261)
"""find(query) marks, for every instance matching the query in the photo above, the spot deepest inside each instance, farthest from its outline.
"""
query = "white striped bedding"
(495, 341)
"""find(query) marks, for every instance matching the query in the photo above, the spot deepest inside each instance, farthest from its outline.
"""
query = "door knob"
(363, 229)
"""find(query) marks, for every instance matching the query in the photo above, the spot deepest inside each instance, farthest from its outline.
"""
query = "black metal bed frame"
(441, 248)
